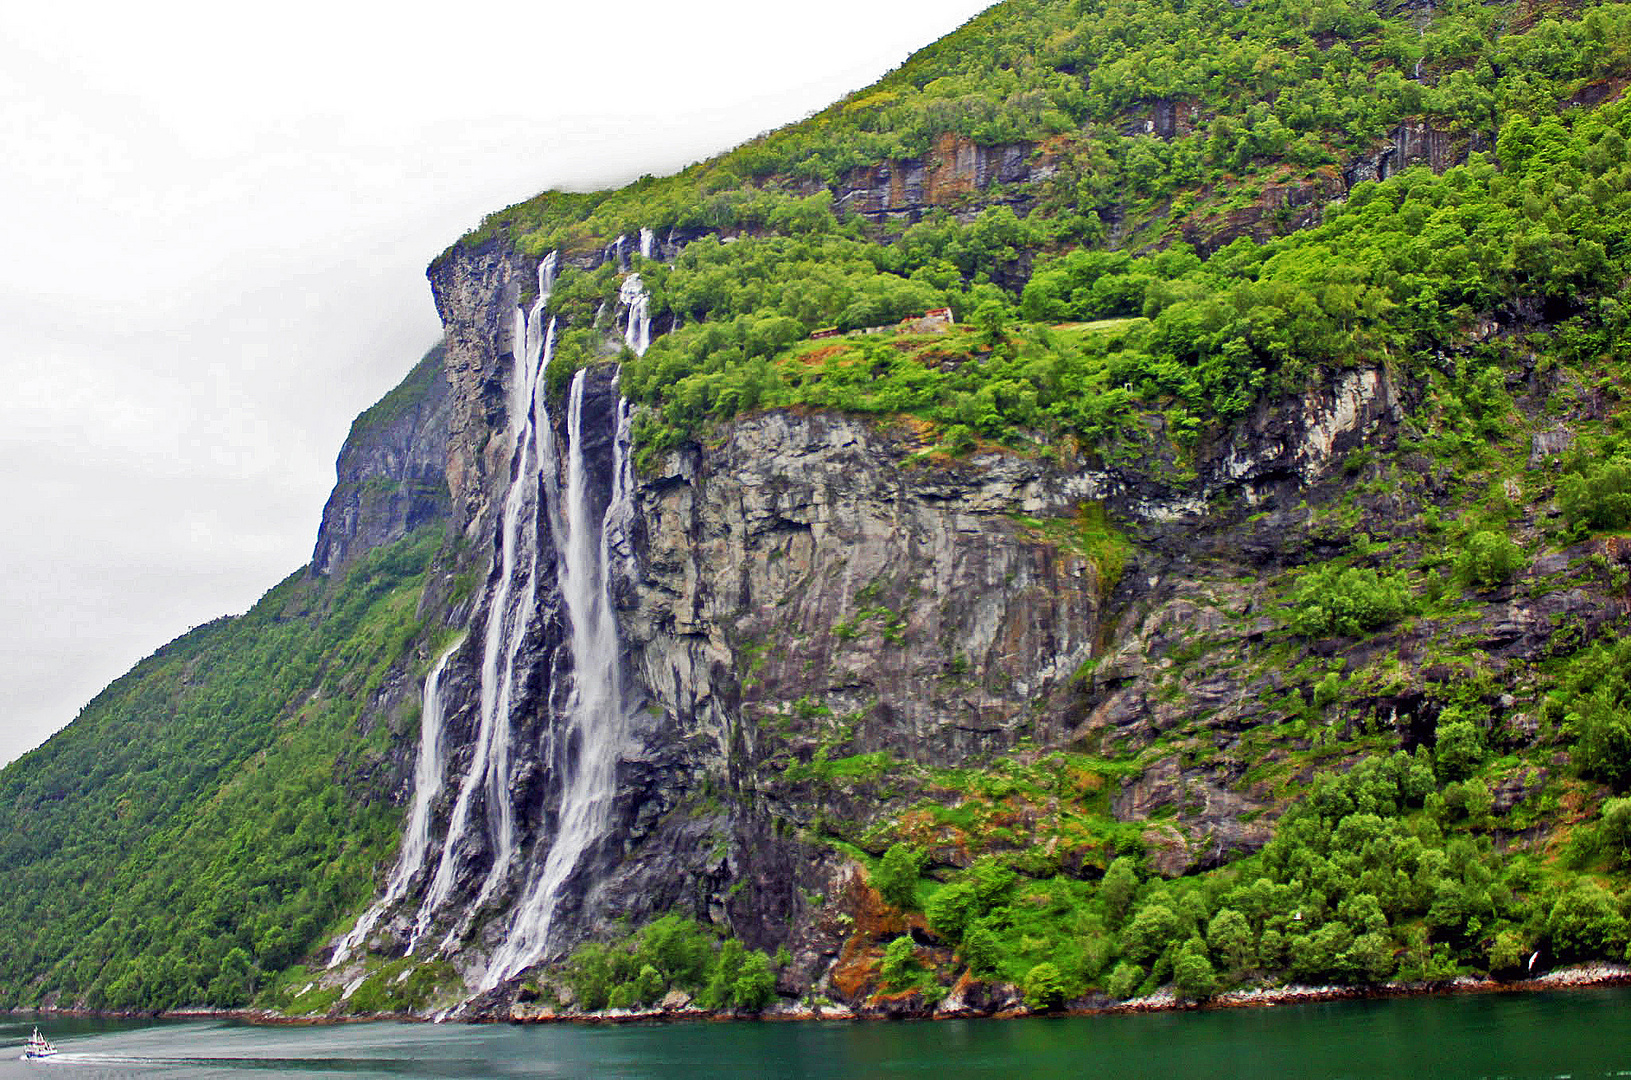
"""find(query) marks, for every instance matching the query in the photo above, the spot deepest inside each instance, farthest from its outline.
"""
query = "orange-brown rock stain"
(950, 169)
(876, 924)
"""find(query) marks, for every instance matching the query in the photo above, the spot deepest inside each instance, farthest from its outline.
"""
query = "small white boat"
(38, 1046)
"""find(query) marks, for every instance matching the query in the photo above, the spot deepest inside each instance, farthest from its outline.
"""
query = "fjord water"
(1576, 1033)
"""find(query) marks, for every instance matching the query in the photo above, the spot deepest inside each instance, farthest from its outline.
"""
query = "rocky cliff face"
(812, 590)
(951, 172)
(831, 637)
(391, 473)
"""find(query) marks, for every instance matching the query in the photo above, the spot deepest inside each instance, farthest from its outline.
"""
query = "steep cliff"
(832, 631)
(392, 471)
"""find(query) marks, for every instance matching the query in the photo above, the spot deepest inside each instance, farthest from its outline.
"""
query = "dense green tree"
(1044, 987)
(1124, 980)
(951, 909)
(1586, 922)
(1192, 972)
(1231, 940)
(1119, 886)
(755, 984)
(1460, 746)
(896, 875)
(980, 950)
(1488, 559)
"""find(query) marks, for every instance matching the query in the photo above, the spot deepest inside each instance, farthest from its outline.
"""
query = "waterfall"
(427, 784)
(508, 613)
(589, 525)
(593, 732)
(633, 295)
(620, 511)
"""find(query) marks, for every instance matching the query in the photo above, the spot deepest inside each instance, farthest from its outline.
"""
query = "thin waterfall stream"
(595, 713)
(583, 743)
(427, 785)
(507, 616)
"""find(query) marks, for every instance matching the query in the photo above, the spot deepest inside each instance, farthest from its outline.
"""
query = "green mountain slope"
(207, 815)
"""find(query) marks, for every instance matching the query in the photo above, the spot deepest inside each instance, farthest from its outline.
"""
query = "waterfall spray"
(427, 784)
(507, 615)
(595, 713)
(632, 294)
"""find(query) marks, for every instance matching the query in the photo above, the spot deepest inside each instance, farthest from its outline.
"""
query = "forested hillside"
(1289, 364)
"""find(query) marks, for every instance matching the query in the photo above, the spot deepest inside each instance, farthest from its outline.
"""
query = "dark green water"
(1576, 1034)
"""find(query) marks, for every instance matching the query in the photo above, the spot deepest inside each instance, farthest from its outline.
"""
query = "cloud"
(218, 218)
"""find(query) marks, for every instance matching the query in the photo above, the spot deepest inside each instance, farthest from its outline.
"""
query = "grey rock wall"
(390, 475)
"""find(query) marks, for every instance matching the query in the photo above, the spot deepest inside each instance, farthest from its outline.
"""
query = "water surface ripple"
(1574, 1033)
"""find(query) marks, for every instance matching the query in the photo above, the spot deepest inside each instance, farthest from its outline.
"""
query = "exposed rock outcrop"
(953, 169)
(391, 473)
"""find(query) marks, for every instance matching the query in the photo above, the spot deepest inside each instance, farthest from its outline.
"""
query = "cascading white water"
(633, 295)
(427, 784)
(507, 613)
(595, 713)
(620, 511)
(585, 741)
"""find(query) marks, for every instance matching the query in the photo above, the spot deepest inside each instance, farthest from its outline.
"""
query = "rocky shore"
(971, 1001)
(1003, 1000)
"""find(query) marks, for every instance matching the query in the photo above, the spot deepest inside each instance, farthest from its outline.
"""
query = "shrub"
(1117, 889)
(755, 983)
(980, 950)
(896, 875)
(1488, 560)
(1601, 725)
(959, 439)
(1333, 601)
(1467, 799)
(679, 949)
(1614, 831)
(1124, 980)
(1151, 928)
(1460, 747)
(1508, 952)
(1192, 972)
(649, 984)
(899, 959)
(1599, 497)
(1585, 923)
(623, 996)
(589, 973)
(720, 992)
(951, 909)
(1369, 958)
(1044, 987)
(992, 881)
(1230, 936)
(1327, 690)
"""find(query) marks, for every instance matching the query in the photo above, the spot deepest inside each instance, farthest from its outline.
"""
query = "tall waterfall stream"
(583, 742)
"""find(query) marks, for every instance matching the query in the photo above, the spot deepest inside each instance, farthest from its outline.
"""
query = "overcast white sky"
(216, 219)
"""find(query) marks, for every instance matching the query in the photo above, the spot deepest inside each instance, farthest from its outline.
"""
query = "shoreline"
(1582, 977)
